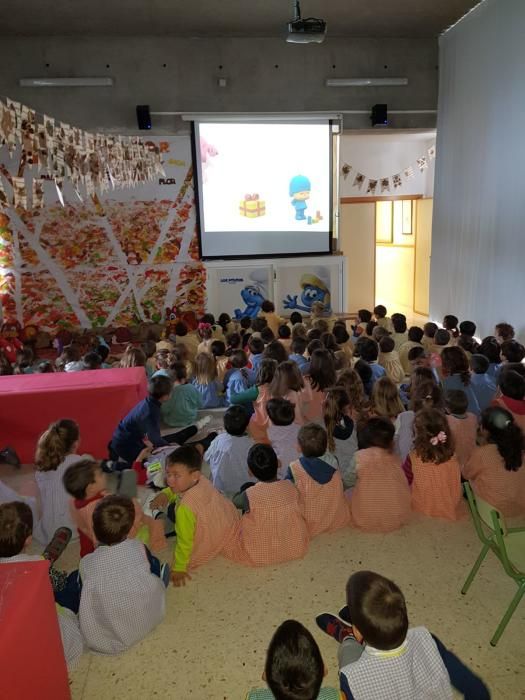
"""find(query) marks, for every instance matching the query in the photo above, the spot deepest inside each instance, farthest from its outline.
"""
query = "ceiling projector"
(305, 31)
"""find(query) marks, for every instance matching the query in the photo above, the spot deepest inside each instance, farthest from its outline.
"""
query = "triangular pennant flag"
(385, 184)
(432, 152)
(422, 163)
(359, 180)
(396, 179)
(372, 185)
(409, 172)
(345, 169)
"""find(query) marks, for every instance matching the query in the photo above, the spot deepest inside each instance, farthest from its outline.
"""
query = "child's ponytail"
(335, 402)
(505, 434)
(55, 443)
(433, 440)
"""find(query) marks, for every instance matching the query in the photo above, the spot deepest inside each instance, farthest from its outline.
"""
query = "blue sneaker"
(334, 626)
(165, 574)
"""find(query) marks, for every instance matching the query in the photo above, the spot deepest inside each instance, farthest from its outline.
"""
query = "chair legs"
(510, 610)
(475, 568)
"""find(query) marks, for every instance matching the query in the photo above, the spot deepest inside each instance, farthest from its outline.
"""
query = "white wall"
(385, 153)
(478, 238)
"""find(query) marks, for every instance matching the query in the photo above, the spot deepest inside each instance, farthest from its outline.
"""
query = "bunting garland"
(394, 181)
(52, 150)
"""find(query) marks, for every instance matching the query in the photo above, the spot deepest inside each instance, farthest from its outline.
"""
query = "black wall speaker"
(143, 117)
(379, 116)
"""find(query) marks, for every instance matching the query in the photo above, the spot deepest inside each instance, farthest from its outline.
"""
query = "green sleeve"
(172, 497)
(247, 396)
(185, 524)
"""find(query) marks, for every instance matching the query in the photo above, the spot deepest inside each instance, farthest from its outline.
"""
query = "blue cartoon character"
(300, 187)
(313, 289)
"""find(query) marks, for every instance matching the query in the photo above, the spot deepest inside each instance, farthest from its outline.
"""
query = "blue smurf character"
(300, 187)
(252, 297)
(313, 289)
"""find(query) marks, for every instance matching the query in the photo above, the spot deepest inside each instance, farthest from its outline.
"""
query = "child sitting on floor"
(433, 468)
(256, 348)
(483, 386)
(285, 336)
(380, 657)
(463, 425)
(205, 521)
(294, 667)
(180, 409)
(283, 432)
(218, 350)
(341, 433)
(123, 596)
(381, 500)
(289, 384)
(206, 382)
(205, 332)
(272, 529)
(228, 453)
(239, 378)
(389, 359)
(163, 362)
(320, 486)
(384, 321)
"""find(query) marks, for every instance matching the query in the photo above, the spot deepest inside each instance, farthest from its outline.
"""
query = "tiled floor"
(212, 643)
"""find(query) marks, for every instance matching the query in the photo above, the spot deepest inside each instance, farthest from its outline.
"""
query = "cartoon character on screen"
(300, 188)
(313, 290)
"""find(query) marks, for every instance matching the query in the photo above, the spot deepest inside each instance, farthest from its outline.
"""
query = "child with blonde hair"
(163, 361)
(385, 399)
(133, 357)
(389, 359)
(381, 499)
(436, 476)
(341, 432)
(206, 382)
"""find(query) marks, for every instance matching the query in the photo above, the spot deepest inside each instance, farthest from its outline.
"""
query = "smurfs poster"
(307, 287)
(242, 293)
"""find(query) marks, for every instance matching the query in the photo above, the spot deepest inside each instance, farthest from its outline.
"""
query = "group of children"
(322, 429)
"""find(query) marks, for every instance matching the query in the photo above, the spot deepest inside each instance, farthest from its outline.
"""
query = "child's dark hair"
(314, 334)
(44, 367)
(370, 327)
(429, 329)
(236, 420)
(294, 667)
(442, 337)
(71, 353)
(266, 371)
(92, 360)
(181, 329)
(238, 359)
(179, 371)
(512, 351)
(296, 317)
(335, 404)
(380, 311)
(368, 350)
(255, 345)
(479, 364)
(364, 370)
(340, 334)
(456, 401)
(218, 348)
(223, 320)
(284, 331)
(426, 394)
(79, 476)
(280, 411)
(267, 335)
(322, 370)
(450, 323)
(314, 345)
(103, 350)
(313, 440)
(503, 432)
(467, 328)
(208, 318)
(113, 519)
(16, 525)
(378, 609)
(159, 386)
(429, 423)
(399, 321)
(298, 346)
(329, 341)
(415, 334)
(276, 351)
(287, 378)
(55, 443)
(263, 462)
(258, 324)
(505, 331)
(24, 360)
(468, 344)
(233, 341)
(267, 306)
(511, 384)
(387, 344)
(376, 432)
(416, 353)
(491, 349)
(187, 455)
(364, 315)
(455, 361)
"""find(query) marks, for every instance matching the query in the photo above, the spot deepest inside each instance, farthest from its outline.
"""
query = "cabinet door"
(422, 259)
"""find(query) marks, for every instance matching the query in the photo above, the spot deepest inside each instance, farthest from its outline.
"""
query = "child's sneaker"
(334, 626)
(202, 422)
(165, 574)
(59, 542)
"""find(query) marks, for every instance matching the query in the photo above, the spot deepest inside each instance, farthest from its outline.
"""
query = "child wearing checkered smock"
(319, 484)
(205, 521)
(379, 657)
(463, 425)
(122, 599)
(272, 529)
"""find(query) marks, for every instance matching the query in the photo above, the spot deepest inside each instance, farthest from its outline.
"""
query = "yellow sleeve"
(172, 497)
(185, 524)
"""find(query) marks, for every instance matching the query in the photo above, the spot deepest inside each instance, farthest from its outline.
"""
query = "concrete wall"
(263, 75)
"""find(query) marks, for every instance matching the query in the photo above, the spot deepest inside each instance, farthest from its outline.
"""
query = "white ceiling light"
(365, 82)
(65, 82)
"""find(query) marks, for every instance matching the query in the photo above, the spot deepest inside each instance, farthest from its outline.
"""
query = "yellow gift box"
(252, 207)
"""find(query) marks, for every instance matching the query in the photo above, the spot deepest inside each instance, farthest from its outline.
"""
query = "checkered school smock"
(258, 426)
(503, 489)
(273, 531)
(464, 431)
(313, 409)
(436, 489)
(324, 506)
(54, 501)
(381, 499)
(413, 671)
(121, 600)
(216, 520)
(266, 694)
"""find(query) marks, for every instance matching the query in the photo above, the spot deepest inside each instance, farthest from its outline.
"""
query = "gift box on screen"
(252, 207)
